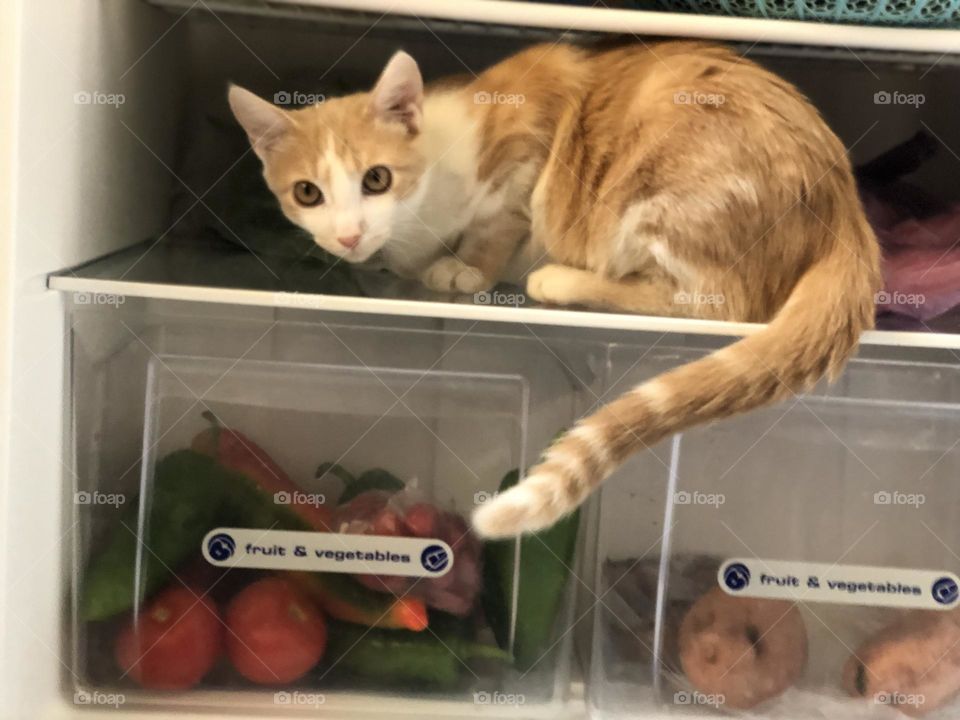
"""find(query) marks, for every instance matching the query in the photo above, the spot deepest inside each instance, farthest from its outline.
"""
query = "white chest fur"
(450, 196)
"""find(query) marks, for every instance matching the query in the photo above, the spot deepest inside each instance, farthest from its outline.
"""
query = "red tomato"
(173, 643)
(275, 633)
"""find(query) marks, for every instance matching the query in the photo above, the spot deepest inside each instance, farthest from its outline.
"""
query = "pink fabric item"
(921, 264)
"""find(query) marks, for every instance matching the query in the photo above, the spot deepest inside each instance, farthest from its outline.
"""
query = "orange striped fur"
(670, 179)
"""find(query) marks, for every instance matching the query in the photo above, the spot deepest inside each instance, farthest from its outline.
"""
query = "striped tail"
(813, 334)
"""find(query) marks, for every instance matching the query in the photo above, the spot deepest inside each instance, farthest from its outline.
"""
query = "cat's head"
(340, 168)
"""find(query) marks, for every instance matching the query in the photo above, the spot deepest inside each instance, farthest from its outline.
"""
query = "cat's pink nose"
(350, 241)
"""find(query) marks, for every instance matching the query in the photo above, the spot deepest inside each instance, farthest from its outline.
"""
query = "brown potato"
(746, 650)
(914, 664)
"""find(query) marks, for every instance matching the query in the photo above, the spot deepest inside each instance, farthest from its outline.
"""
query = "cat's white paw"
(556, 284)
(451, 274)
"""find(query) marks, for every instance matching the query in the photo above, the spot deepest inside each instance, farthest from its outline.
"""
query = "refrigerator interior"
(120, 122)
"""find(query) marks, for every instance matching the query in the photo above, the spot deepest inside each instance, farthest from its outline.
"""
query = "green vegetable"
(545, 559)
(443, 624)
(247, 506)
(400, 657)
(337, 471)
(376, 479)
(188, 490)
(193, 493)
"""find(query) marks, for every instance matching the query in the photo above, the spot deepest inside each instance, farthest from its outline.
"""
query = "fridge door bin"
(808, 560)
(297, 495)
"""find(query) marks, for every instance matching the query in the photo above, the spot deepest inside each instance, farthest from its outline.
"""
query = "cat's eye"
(377, 180)
(307, 194)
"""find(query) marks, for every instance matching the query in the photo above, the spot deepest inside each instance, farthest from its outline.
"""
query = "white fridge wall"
(9, 55)
(92, 178)
(85, 186)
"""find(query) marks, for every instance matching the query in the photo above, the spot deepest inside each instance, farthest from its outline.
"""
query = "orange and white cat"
(670, 179)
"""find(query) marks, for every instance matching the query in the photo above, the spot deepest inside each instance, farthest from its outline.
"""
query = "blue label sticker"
(434, 558)
(736, 576)
(945, 591)
(221, 547)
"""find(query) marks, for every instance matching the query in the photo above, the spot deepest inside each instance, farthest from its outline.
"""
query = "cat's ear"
(398, 94)
(264, 122)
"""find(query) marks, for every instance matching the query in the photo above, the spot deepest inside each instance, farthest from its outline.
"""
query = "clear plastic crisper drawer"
(275, 516)
(808, 561)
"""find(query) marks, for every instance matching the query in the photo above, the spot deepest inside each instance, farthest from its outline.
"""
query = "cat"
(671, 179)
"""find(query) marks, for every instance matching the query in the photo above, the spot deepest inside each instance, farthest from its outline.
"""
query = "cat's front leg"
(451, 274)
(484, 252)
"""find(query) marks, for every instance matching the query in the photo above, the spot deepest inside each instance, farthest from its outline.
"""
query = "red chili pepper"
(236, 451)
(343, 600)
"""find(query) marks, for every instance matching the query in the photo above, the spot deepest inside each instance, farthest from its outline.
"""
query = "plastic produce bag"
(402, 514)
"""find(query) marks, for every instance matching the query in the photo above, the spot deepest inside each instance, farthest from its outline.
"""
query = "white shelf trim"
(455, 311)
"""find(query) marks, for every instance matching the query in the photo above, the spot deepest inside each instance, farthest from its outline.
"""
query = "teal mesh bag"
(917, 13)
